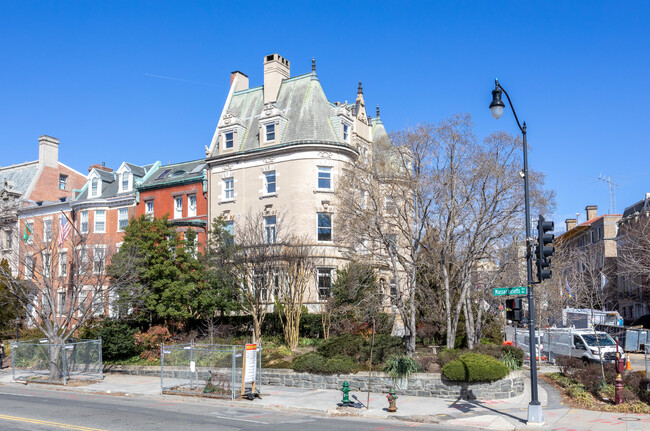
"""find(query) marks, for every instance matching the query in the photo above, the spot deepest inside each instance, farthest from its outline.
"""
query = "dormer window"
(94, 187)
(270, 132)
(346, 133)
(124, 182)
(229, 140)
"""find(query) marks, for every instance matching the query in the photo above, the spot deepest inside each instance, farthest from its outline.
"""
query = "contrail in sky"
(178, 79)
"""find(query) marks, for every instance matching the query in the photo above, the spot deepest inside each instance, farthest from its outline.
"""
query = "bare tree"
(62, 285)
(296, 270)
(633, 258)
(585, 273)
(382, 202)
(437, 181)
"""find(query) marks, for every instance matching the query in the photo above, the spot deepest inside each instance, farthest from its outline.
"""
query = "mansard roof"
(302, 102)
(19, 177)
(176, 173)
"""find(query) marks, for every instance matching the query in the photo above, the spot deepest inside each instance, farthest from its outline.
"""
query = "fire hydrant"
(346, 394)
(391, 397)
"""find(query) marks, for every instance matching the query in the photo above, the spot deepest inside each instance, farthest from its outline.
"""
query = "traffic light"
(513, 309)
(544, 251)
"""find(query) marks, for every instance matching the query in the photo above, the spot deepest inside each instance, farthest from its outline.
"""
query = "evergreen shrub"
(475, 367)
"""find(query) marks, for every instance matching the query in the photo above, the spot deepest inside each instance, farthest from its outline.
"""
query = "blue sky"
(578, 73)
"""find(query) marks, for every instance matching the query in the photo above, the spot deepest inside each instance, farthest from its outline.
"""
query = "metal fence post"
(13, 361)
(101, 360)
(232, 375)
(162, 366)
(191, 372)
(259, 368)
(63, 364)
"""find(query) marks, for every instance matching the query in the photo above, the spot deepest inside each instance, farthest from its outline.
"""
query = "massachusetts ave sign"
(504, 291)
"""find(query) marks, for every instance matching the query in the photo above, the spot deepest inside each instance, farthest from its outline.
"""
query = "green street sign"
(504, 291)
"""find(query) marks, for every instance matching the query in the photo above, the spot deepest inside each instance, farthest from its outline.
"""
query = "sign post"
(505, 291)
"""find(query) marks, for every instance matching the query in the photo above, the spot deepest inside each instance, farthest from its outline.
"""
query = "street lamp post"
(535, 415)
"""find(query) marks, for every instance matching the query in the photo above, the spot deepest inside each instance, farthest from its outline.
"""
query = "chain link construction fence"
(57, 363)
(205, 370)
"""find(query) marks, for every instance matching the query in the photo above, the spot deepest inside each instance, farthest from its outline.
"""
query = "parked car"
(584, 344)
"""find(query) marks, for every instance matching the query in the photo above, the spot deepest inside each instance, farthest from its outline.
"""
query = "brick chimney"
(242, 80)
(592, 211)
(48, 151)
(276, 69)
(101, 167)
(570, 223)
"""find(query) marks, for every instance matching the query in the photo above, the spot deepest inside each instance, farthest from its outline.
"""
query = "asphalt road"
(32, 409)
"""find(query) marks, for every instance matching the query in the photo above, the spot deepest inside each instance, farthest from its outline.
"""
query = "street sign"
(503, 291)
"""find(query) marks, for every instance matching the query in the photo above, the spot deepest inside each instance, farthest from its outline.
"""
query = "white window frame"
(60, 298)
(318, 226)
(29, 267)
(269, 129)
(63, 263)
(191, 205)
(149, 207)
(267, 183)
(325, 174)
(345, 131)
(270, 229)
(84, 215)
(46, 266)
(47, 233)
(177, 213)
(96, 255)
(120, 219)
(226, 141)
(97, 220)
(229, 192)
(95, 187)
(324, 292)
(125, 176)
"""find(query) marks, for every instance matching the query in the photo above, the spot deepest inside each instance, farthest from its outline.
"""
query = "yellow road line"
(52, 424)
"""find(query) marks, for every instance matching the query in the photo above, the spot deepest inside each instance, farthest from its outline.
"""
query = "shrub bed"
(586, 387)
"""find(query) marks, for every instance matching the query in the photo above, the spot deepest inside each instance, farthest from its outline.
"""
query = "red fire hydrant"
(618, 383)
(391, 397)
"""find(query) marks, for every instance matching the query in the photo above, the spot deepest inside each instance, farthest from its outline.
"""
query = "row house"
(633, 242)
(22, 185)
(591, 248)
(278, 152)
(66, 244)
(179, 192)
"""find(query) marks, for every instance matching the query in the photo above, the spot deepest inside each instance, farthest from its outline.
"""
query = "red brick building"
(178, 191)
(22, 185)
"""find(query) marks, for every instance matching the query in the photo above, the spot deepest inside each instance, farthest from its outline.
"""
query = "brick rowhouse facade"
(178, 191)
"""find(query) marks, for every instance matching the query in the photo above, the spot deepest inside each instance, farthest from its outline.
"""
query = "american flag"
(64, 230)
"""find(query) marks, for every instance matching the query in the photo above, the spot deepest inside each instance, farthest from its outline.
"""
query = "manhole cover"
(629, 419)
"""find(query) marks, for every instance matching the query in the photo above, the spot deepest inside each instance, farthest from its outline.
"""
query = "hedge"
(475, 367)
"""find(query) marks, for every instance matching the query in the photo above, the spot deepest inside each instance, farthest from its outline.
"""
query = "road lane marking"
(216, 415)
(52, 424)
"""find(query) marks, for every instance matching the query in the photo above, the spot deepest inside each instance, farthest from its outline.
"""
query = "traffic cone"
(628, 365)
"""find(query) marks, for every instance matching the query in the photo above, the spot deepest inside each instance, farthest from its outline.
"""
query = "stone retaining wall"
(422, 384)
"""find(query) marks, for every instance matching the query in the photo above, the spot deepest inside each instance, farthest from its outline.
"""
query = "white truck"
(584, 344)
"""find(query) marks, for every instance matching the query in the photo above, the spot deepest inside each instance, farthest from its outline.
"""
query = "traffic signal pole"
(535, 415)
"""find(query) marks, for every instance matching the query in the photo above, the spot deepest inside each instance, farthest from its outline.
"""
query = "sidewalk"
(507, 414)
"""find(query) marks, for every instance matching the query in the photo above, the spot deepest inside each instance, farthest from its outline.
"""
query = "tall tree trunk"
(451, 332)
(469, 322)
